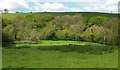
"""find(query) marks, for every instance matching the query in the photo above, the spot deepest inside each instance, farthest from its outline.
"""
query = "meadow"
(42, 56)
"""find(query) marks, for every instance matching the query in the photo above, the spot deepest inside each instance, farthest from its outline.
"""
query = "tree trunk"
(104, 39)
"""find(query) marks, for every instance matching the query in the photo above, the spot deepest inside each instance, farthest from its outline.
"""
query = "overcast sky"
(60, 5)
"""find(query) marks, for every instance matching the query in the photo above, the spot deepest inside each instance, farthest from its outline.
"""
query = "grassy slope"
(85, 14)
(35, 58)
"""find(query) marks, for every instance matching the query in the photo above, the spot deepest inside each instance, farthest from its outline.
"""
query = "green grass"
(13, 15)
(35, 58)
(84, 14)
(52, 43)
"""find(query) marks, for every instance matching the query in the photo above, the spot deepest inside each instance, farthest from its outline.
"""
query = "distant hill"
(84, 14)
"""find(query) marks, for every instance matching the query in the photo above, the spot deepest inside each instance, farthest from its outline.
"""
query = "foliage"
(95, 36)
(8, 34)
(112, 32)
(41, 22)
(6, 10)
(97, 20)
(62, 34)
(6, 22)
(48, 26)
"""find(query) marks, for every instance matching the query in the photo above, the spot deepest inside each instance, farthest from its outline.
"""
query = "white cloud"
(75, 10)
(62, 0)
(14, 5)
(100, 6)
(54, 7)
(49, 7)
(86, 5)
(23, 5)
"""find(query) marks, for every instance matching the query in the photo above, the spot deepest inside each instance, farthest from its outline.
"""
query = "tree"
(17, 12)
(92, 35)
(97, 20)
(1, 11)
(31, 12)
(8, 33)
(6, 10)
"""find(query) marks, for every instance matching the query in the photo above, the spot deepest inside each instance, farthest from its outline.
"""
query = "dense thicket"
(68, 27)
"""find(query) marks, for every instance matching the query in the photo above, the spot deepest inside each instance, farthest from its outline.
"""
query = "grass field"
(84, 14)
(36, 58)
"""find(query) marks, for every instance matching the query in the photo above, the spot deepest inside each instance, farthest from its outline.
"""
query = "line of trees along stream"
(68, 27)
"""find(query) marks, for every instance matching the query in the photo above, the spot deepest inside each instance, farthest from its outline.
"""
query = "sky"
(60, 5)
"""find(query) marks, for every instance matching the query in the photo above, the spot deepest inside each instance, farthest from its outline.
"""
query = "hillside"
(76, 26)
(84, 14)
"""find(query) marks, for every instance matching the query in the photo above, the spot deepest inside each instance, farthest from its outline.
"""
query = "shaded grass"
(98, 50)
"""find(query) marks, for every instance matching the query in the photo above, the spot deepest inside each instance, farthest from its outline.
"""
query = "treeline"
(69, 27)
